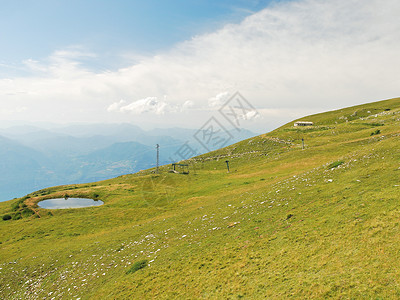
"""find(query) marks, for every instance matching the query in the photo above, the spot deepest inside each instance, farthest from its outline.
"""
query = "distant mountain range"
(32, 158)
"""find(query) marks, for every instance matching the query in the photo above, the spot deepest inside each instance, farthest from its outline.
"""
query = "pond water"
(61, 203)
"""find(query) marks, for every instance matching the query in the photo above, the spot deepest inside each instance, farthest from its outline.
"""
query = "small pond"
(61, 203)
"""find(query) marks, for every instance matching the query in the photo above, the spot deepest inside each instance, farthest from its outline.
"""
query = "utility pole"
(158, 155)
(302, 141)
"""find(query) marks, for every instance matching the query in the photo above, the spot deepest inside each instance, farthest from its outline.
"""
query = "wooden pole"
(158, 155)
(227, 164)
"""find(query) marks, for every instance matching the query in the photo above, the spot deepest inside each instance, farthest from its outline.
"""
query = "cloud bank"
(148, 105)
(298, 56)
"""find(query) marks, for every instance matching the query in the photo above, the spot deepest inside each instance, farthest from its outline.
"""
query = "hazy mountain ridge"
(21, 167)
(37, 158)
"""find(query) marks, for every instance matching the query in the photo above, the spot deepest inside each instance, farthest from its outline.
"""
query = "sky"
(178, 63)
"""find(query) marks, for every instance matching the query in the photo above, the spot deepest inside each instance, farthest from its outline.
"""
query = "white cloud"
(116, 106)
(149, 105)
(218, 100)
(13, 111)
(299, 55)
(250, 115)
(187, 105)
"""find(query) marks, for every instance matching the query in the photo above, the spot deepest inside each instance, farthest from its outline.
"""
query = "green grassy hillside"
(286, 222)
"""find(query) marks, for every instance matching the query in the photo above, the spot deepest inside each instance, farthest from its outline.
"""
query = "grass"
(284, 223)
(137, 266)
(335, 164)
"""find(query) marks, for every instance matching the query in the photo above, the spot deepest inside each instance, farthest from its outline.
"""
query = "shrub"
(376, 132)
(6, 217)
(15, 206)
(26, 212)
(373, 124)
(137, 266)
(335, 164)
(17, 216)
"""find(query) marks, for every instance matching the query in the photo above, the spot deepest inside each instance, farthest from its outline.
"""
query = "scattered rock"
(233, 224)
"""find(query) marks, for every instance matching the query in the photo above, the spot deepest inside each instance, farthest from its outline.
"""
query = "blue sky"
(33, 29)
(175, 63)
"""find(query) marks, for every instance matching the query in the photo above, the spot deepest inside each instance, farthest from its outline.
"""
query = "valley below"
(34, 158)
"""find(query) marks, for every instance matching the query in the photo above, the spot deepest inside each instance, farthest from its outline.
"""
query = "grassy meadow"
(285, 222)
